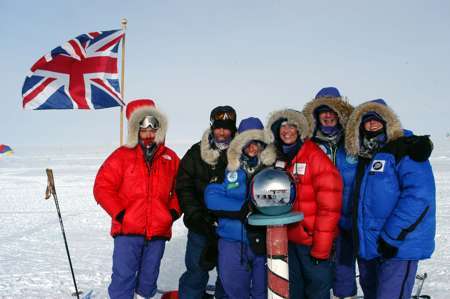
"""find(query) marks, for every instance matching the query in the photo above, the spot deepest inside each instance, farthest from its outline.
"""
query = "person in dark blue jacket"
(394, 200)
(327, 114)
(242, 259)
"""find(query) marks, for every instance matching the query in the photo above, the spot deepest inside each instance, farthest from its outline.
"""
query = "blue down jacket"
(230, 196)
(395, 191)
(346, 164)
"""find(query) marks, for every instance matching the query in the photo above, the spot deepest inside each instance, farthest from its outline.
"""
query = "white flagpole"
(123, 23)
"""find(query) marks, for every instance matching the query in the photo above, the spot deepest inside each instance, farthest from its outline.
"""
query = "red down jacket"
(319, 197)
(147, 194)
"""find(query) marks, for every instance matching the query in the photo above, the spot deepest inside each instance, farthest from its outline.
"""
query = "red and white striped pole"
(277, 262)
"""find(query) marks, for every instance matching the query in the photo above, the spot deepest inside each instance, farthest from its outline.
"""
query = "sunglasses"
(149, 122)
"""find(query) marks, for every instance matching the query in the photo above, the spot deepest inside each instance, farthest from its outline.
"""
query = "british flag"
(81, 74)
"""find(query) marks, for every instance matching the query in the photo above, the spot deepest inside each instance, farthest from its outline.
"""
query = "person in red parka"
(135, 186)
(319, 198)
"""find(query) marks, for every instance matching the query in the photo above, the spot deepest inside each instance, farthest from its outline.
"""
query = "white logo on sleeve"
(299, 168)
(378, 166)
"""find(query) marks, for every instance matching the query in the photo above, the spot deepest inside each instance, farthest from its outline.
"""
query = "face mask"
(330, 130)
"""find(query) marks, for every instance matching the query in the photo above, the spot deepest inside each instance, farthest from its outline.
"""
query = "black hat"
(223, 117)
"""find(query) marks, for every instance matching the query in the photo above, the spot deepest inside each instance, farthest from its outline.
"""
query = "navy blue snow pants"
(242, 273)
(135, 267)
(389, 278)
(344, 284)
(308, 280)
(193, 282)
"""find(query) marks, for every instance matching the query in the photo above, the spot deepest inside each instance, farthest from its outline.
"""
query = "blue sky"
(257, 56)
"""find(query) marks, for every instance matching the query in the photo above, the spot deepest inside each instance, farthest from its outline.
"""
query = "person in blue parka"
(327, 115)
(394, 200)
(242, 259)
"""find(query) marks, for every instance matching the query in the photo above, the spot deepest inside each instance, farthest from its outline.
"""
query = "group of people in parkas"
(363, 183)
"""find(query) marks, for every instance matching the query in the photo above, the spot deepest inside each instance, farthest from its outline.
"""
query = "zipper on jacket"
(333, 148)
(360, 171)
(149, 170)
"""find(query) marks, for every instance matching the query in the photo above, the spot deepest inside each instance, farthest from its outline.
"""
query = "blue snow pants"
(135, 268)
(344, 284)
(193, 282)
(380, 279)
(306, 279)
(242, 273)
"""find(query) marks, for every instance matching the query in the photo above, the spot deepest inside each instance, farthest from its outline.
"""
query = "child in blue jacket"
(242, 259)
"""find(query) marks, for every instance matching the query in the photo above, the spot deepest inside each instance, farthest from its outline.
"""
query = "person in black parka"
(203, 163)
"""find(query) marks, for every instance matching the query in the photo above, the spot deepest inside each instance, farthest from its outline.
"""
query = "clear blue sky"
(255, 55)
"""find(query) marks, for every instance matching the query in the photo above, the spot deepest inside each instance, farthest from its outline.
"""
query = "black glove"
(206, 224)
(119, 217)
(174, 215)
(386, 250)
(419, 148)
(208, 257)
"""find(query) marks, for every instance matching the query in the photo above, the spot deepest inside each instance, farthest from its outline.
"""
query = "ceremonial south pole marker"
(277, 250)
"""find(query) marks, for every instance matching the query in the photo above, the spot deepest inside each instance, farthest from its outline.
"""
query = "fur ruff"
(394, 128)
(340, 105)
(293, 116)
(133, 125)
(208, 154)
(234, 153)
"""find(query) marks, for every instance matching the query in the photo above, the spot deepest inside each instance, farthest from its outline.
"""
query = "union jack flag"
(81, 74)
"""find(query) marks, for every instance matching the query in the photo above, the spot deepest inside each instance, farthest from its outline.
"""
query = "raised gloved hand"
(386, 250)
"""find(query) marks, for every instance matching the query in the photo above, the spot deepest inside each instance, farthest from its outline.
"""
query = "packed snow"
(33, 260)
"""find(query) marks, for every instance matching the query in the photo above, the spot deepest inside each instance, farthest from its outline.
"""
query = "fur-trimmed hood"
(234, 152)
(393, 126)
(339, 105)
(209, 154)
(293, 116)
(137, 116)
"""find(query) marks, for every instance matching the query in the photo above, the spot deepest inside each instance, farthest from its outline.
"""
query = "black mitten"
(419, 148)
(386, 250)
(174, 215)
(208, 257)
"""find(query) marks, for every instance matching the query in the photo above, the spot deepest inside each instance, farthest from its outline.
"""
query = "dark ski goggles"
(228, 115)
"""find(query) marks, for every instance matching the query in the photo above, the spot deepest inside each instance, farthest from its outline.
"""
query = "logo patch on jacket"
(232, 176)
(167, 157)
(299, 168)
(351, 159)
(378, 166)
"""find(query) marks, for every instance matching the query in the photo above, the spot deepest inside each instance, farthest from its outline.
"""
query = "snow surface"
(33, 261)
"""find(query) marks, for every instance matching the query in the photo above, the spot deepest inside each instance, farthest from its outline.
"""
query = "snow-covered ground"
(33, 261)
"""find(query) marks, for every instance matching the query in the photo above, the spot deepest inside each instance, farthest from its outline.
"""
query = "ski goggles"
(149, 122)
(226, 115)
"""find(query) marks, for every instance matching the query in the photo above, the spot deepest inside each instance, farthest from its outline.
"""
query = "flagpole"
(123, 23)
